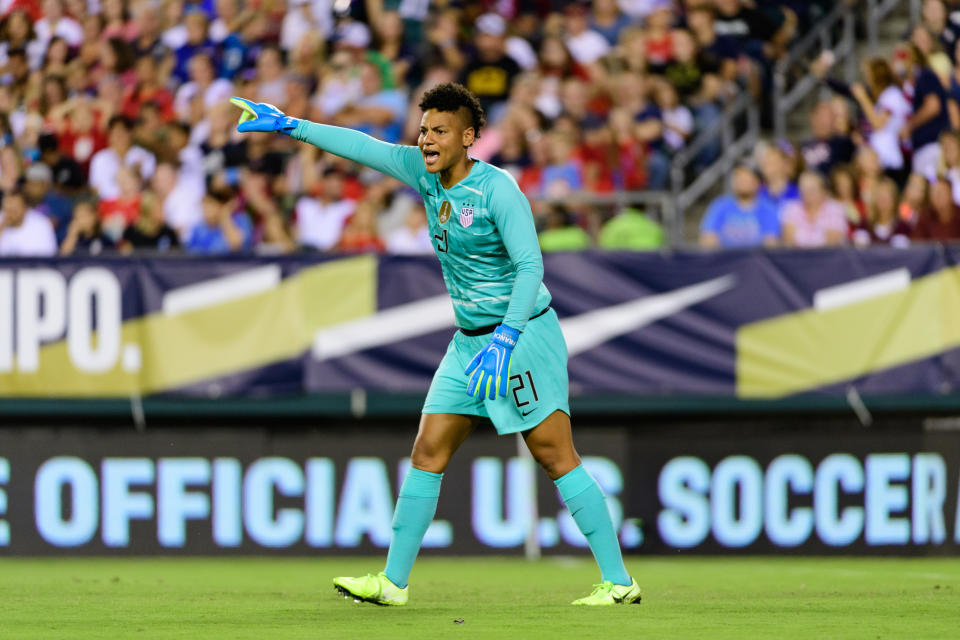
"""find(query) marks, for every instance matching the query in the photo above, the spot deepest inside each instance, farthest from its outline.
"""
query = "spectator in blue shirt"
(930, 117)
(198, 43)
(43, 198)
(742, 219)
(224, 228)
(649, 130)
(607, 20)
(779, 187)
(378, 112)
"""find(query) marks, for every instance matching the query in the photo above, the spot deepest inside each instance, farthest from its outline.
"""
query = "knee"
(430, 455)
(556, 461)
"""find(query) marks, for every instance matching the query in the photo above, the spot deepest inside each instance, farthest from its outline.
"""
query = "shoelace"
(601, 588)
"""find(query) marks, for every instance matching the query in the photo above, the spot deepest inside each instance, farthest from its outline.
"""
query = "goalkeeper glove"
(260, 116)
(491, 366)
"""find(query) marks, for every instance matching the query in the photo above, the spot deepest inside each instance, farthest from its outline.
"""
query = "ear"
(469, 137)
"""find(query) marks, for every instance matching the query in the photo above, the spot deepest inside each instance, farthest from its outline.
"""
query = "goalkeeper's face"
(444, 139)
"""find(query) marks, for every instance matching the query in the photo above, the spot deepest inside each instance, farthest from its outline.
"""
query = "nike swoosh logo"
(582, 332)
(588, 330)
(392, 325)
(526, 413)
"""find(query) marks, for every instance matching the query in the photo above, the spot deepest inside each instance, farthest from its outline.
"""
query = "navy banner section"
(744, 325)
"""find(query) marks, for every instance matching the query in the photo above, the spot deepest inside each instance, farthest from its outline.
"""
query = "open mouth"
(430, 157)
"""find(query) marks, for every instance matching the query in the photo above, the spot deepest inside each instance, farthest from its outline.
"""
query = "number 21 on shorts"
(525, 392)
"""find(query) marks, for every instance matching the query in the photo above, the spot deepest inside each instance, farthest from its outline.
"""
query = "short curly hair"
(451, 96)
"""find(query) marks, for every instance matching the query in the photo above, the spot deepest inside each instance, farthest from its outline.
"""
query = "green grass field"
(495, 598)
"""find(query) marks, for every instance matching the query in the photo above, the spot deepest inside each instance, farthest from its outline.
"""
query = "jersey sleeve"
(402, 162)
(514, 219)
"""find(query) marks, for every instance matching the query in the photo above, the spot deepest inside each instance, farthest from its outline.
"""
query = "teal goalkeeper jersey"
(482, 228)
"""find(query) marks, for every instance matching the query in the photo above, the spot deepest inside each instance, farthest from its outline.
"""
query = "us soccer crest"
(466, 216)
(444, 214)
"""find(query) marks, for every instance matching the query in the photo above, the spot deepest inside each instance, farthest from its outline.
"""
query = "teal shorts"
(538, 378)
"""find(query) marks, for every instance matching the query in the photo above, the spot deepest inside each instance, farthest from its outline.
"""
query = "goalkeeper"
(508, 360)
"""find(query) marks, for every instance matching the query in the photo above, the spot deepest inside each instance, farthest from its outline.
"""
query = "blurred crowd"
(881, 166)
(117, 135)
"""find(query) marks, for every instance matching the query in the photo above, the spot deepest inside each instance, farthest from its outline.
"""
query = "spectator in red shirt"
(631, 158)
(147, 88)
(941, 220)
(531, 175)
(117, 213)
(360, 232)
(29, 8)
(914, 199)
(882, 224)
(597, 156)
(79, 128)
(659, 40)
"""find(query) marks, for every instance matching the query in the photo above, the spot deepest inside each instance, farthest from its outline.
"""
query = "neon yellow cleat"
(607, 593)
(376, 589)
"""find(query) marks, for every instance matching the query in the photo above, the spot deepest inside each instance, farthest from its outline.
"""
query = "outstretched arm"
(402, 162)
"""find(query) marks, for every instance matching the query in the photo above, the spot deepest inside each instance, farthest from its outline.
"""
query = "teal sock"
(582, 495)
(415, 508)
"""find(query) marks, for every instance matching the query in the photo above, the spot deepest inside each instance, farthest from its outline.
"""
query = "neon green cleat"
(607, 593)
(376, 589)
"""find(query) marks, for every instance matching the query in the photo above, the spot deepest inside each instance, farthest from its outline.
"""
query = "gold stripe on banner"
(222, 339)
(812, 348)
